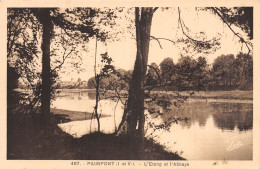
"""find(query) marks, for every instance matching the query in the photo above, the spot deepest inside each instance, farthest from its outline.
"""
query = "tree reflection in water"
(226, 116)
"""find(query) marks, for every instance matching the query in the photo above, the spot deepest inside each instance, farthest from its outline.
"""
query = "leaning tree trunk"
(134, 112)
(45, 20)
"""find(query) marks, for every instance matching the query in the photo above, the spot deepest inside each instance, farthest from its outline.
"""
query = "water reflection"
(233, 115)
(208, 135)
(226, 116)
(92, 95)
(196, 112)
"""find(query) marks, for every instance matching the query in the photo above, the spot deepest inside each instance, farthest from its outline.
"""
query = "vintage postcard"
(129, 84)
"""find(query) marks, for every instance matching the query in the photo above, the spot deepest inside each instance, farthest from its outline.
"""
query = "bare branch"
(63, 60)
(162, 39)
(157, 73)
(218, 12)
(157, 41)
(182, 24)
(155, 9)
(120, 97)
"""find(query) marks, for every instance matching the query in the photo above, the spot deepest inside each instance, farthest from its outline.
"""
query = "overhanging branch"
(218, 12)
(158, 40)
(182, 25)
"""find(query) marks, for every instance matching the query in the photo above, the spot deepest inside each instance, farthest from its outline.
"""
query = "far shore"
(212, 96)
(233, 94)
(69, 115)
(216, 95)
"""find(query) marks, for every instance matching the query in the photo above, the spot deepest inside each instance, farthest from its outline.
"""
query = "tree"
(47, 28)
(23, 27)
(23, 41)
(185, 77)
(152, 75)
(134, 112)
(223, 71)
(132, 124)
(123, 79)
(243, 71)
(167, 70)
(241, 17)
(91, 83)
(22, 51)
(201, 74)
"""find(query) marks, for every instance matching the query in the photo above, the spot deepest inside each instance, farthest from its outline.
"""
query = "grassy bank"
(29, 138)
(73, 115)
(234, 94)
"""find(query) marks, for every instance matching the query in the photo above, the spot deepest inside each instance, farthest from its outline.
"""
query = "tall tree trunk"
(134, 112)
(45, 20)
(97, 77)
(98, 80)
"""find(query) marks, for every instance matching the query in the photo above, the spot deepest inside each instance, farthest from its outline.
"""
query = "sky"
(164, 25)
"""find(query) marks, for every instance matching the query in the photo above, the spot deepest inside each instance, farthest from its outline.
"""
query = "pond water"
(217, 129)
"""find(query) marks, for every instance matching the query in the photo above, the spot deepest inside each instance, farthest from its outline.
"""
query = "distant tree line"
(119, 79)
(226, 73)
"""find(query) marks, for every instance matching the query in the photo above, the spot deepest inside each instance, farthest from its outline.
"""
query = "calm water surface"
(216, 130)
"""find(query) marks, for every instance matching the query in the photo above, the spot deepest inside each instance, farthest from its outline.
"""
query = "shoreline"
(233, 94)
(70, 115)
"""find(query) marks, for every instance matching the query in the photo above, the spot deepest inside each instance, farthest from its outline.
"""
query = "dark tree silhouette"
(134, 112)
(47, 28)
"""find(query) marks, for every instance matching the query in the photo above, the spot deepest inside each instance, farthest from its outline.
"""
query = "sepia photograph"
(97, 86)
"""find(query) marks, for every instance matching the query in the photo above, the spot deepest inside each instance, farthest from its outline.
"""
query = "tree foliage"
(241, 17)
(25, 32)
